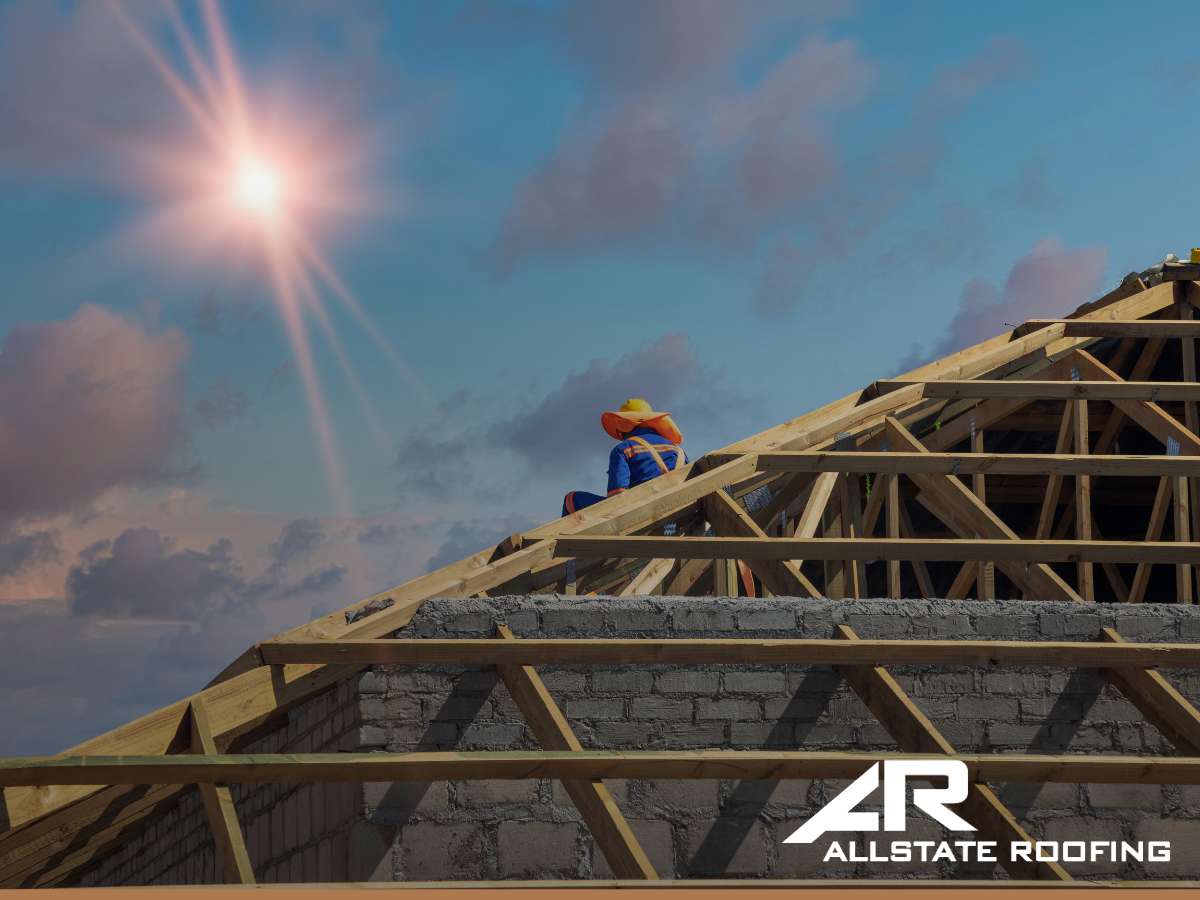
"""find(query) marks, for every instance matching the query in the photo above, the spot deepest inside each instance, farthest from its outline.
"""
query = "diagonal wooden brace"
(232, 858)
(913, 732)
(594, 801)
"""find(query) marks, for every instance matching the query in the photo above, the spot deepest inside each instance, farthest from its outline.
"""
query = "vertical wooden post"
(1083, 496)
(1183, 526)
(985, 588)
(856, 570)
(835, 571)
(232, 859)
(893, 531)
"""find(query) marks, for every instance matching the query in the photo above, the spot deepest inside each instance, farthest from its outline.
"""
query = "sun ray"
(259, 186)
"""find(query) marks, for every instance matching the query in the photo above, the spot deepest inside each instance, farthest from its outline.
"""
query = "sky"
(522, 213)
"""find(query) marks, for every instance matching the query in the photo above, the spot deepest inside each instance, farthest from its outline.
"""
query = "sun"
(258, 187)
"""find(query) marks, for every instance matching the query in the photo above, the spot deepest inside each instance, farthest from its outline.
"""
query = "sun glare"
(258, 187)
(245, 178)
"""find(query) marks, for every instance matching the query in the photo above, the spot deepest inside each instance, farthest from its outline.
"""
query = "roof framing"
(895, 451)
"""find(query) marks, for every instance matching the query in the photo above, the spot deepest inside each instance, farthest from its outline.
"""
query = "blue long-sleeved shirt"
(630, 464)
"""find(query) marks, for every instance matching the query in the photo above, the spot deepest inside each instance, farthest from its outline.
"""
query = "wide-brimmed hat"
(637, 413)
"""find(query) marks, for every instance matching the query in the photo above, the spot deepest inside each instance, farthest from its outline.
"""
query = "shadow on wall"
(404, 797)
(741, 809)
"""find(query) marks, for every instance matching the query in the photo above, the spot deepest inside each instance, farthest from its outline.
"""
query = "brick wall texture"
(702, 828)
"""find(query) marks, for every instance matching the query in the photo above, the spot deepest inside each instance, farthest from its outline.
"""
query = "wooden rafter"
(232, 859)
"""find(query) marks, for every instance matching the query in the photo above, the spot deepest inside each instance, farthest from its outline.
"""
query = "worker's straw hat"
(637, 413)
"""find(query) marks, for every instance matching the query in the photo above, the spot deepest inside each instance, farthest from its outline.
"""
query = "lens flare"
(244, 176)
(258, 188)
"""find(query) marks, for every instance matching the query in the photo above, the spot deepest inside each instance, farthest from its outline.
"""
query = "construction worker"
(649, 446)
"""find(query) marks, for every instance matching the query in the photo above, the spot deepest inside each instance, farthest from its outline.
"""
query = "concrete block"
(1146, 797)
(557, 622)
(686, 735)
(594, 709)
(1006, 735)
(740, 710)
(492, 736)
(754, 682)
(617, 787)
(881, 626)
(430, 851)
(647, 620)
(539, 850)
(996, 709)
(479, 796)
(634, 681)
(684, 794)
(687, 681)
(654, 837)
(396, 803)
(805, 707)
(756, 735)
(479, 624)
(661, 708)
(766, 620)
(715, 849)
(706, 620)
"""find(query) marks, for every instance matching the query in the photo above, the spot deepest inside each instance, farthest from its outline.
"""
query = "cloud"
(297, 540)
(464, 538)
(1051, 280)
(22, 551)
(142, 577)
(220, 404)
(432, 466)
(660, 371)
(316, 582)
(378, 533)
(72, 83)
(86, 404)
(671, 144)
(1001, 59)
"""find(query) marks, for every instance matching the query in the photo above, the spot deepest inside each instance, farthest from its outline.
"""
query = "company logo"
(840, 813)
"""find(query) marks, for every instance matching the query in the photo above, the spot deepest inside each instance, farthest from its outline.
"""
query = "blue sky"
(738, 210)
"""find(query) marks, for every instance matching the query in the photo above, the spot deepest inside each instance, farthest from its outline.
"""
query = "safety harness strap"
(649, 448)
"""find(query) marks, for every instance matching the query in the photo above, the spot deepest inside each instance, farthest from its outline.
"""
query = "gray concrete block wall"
(497, 830)
(529, 829)
(293, 833)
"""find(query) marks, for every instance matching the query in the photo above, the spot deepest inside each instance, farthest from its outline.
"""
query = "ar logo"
(839, 814)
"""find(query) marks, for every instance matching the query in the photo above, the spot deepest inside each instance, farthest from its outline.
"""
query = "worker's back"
(645, 454)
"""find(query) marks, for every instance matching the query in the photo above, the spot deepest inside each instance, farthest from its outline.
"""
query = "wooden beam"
(650, 579)
(1152, 391)
(1158, 519)
(913, 732)
(1157, 699)
(1146, 413)
(1005, 551)
(893, 531)
(288, 768)
(1083, 501)
(782, 577)
(1191, 415)
(986, 572)
(1045, 520)
(850, 500)
(1038, 581)
(920, 570)
(1127, 328)
(230, 843)
(594, 801)
(979, 463)
(735, 651)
